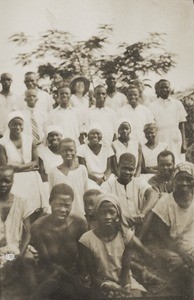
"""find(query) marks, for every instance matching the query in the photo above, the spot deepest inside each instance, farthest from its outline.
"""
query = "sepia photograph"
(96, 149)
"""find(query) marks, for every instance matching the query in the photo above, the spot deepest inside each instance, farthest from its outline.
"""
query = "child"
(170, 118)
(137, 114)
(55, 237)
(124, 144)
(72, 173)
(151, 149)
(95, 156)
(103, 248)
(102, 115)
(89, 205)
(35, 121)
(66, 116)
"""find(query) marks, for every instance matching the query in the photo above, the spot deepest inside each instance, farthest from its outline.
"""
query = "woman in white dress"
(95, 156)
(151, 150)
(125, 144)
(21, 153)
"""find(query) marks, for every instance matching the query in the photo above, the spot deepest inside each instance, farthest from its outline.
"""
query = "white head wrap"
(52, 128)
(15, 114)
(122, 120)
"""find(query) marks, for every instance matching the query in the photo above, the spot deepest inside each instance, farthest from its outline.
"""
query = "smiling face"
(133, 96)
(166, 166)
(30, 81)
(107, 215)
(6, 181)
(124, 130)
(67, 150)
(163, 89)
(183, 189)
(16, 126)
(94, 136)
(126, 171)
(54, 138)
(64, 96)
(61, 206)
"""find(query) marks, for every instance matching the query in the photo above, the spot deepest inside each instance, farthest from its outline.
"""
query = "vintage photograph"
(96, 149)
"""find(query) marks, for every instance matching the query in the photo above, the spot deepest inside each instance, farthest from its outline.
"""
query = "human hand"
(183, 147)
(139, 218)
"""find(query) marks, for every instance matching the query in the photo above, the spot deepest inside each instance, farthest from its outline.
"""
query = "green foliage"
(70, 57)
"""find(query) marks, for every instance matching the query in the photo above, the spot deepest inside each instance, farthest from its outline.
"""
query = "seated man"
(136, 197)
(162, 181)
(174, 217)
(55, 238)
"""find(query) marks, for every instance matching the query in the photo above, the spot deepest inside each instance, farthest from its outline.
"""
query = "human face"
(16, 126)
(124, 130)
(64, 96)
(89, 204)
(61, 206)
(111, 80)
(125, 171)
(30, 81)
(6, 181)
(150, 134)
(183, 189)
(79, 87)
(31, 98)
(133, 97)
(68, 151)
(166, 166)
(54, 138)
(164, 89)
(94, 136)
(107, 215)
(100, 95)
(6, 80)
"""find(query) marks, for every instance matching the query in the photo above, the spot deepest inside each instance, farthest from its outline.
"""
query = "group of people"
(96, 197)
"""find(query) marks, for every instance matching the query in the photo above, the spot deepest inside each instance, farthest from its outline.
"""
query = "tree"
(69, 57)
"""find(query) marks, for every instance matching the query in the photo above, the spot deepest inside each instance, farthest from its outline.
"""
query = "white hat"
(15, 114)
(121, 121)
(52, 128)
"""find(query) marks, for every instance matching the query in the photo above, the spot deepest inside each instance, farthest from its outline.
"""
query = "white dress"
(138, 118)
(120, 148)
(78, 180)
(150, 155)
(50, 159)
(96, 164)
(27, 185)
(168, 114)
(117, 101)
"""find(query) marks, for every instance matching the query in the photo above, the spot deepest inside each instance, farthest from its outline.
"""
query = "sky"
(132, 21)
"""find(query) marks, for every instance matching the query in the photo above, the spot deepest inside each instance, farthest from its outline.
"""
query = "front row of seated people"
(100, 254)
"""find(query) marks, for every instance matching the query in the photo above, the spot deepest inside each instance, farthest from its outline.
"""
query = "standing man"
(7, 100)
(114, 99)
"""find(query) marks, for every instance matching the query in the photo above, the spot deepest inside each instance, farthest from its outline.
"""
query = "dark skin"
(150, 135)
(6, 201)
(68, 152)
(111, 85)
(163, 91)
(124, 137)
(6, 81)
(16, 128)
(94, 137)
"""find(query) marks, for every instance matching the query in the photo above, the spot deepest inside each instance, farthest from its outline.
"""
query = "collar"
(164, 100)
(61, 108)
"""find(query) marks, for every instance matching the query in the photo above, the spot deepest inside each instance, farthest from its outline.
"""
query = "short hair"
(157, 85)
(61, 189)
(91, 192)
(64, 86)
(5, 168)
(29, 73)
(164, 154)
(100, 86)
(67, 140)
(5, 74)
(28, 90)
(127, 157)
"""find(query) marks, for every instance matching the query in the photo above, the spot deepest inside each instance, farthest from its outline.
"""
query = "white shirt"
(106, 118)
(116, 102)
(130, 198)
(138, 118)
(7, 105)
(67, 119)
